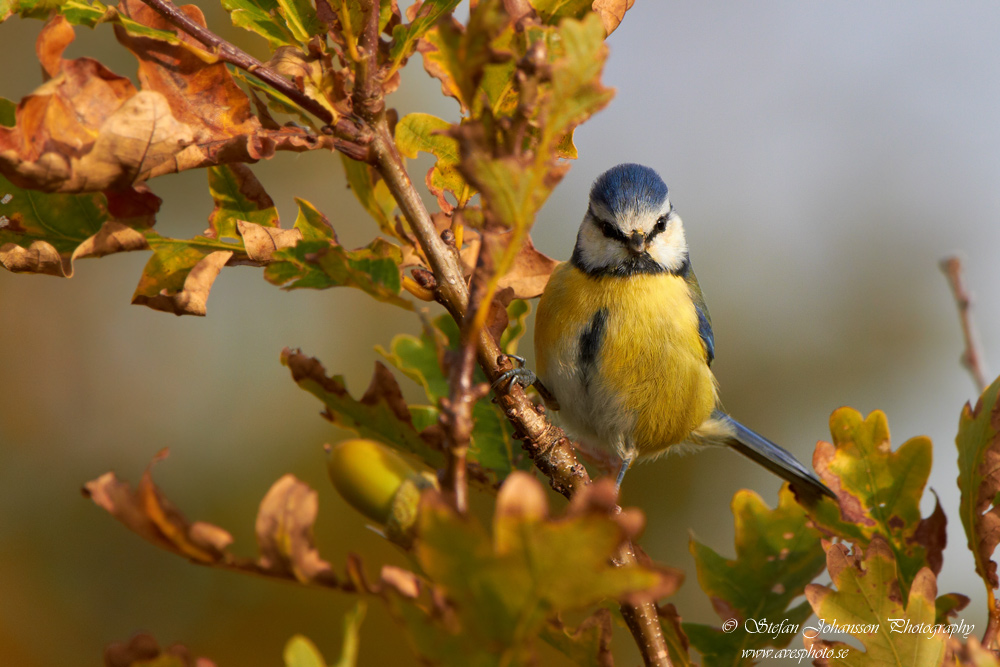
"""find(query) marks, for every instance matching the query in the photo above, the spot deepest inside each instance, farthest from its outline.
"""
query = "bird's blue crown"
(628, 186)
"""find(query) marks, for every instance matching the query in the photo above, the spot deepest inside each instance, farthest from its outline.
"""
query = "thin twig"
(972, 357)
(342, 128)
(457, 415)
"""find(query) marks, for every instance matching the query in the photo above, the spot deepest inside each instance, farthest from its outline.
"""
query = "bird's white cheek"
(669, 248)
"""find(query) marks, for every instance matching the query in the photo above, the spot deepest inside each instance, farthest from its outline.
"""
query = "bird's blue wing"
(704, 319)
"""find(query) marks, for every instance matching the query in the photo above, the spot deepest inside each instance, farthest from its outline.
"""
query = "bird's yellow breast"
(648, 384)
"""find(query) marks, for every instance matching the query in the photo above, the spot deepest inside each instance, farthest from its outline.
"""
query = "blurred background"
(824, 157)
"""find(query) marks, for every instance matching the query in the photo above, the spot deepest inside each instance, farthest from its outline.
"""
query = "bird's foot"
(518, 374)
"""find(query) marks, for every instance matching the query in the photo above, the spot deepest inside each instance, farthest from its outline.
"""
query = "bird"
(624, 342)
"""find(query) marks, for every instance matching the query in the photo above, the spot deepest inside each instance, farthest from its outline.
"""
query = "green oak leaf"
(372, 192)
(420, 360)
(300, 19)
(261, 17)
(319, 263)
(417, 132)
(778, 553)
(405, 37)
(238, 195)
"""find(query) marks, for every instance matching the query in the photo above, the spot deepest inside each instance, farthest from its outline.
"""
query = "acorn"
(380, 484)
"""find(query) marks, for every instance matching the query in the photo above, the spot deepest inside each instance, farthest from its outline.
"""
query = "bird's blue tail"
(730, 432)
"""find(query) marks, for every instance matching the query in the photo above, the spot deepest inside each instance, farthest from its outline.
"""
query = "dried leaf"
(612, 12)
(144, 651)
(46, 233)
(970, 654)
(528, 274)
(87, 129)
(180, 274)
(869, 604)
(978, 444)
(148, 513)
(879, 491)
(262, 242)
(285, 533)
(778, 552)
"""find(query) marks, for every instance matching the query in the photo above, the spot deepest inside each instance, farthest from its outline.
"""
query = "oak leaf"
(896, 628)
(503, 585)
(46, 233)
(423, 360)
(978, 444)
(778, 552)
(879, 491)
(318, 261)
(88, 129)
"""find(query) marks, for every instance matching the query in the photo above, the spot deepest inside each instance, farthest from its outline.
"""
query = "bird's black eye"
(661, 224)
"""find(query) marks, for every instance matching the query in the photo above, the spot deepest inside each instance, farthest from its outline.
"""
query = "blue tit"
(624, 342)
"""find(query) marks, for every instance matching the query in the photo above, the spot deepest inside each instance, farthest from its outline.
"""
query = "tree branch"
(351, 139)
(972, 357)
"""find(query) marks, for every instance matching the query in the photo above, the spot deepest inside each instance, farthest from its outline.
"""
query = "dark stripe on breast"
(590, 344)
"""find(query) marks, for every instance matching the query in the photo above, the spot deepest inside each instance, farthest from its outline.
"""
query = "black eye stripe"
(661, 223)
(609, 229)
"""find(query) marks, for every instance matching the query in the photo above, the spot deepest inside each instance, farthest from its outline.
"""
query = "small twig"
(972, 357)
(353, 139)
(457, 416)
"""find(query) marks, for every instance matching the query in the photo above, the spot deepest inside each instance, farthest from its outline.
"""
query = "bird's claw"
(521, 375)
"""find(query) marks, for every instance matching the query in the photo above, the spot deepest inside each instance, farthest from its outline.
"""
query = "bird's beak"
(637, 243)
